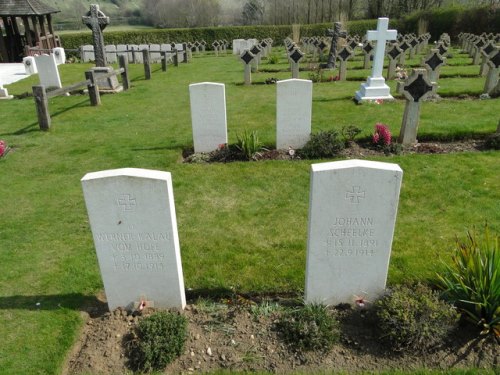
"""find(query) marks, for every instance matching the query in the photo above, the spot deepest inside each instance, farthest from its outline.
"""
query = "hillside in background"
(71, 11)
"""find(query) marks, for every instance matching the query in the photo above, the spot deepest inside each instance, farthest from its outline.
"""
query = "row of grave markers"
(352, 213)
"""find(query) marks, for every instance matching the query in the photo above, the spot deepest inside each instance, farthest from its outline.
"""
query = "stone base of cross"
(375, 88)
(106, 84)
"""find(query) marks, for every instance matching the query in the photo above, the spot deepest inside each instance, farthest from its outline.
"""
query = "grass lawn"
(242, 225)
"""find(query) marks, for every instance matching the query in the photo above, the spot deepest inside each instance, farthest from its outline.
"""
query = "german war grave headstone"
(132, 216)
(208, 115)
(293, 113)
(415, 89)
(352, 214)
(47, 71)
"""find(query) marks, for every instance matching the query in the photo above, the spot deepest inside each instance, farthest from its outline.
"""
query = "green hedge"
(447, 20)
(209, 34)
(454, 20)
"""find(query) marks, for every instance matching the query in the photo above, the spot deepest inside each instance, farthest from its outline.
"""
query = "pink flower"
(3, 147)
(382, 134)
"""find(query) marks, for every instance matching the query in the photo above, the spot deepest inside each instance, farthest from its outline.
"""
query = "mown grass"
(242, 226)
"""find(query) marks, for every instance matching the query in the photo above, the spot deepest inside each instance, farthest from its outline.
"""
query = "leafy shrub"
(414, 318)
(160, 338)
(323, 145)
(248, 143)
(472, 281)
(273, 59)
(310, 327)
(350, 132)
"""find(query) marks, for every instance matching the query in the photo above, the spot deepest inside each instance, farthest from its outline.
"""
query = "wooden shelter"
(25, 24)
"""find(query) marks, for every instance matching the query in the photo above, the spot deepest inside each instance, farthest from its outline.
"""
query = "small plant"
(309, 327)
(159, 339)
(273, 59)
(248, 143)
(265, 308)
(316, 74)
(382, 136)
(323, 145)
(350, 132)
(472, 281)
(414, 318)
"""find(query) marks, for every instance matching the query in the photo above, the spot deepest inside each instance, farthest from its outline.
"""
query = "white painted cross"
(381, 36)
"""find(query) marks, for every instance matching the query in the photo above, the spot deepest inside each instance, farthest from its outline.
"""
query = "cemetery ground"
(242, 225)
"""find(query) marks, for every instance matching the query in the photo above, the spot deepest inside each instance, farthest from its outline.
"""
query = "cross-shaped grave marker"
(485, 52)
(375, 87)
(345, 54)
(336, 32)
(295, 58)
(368, 53)
(433, 63)
(247, 58)
(97, 21)
(492, 82)
(415, 89)
(393, 54)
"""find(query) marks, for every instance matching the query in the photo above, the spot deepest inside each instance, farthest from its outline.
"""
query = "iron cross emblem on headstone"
(97, 22)
(335, 33)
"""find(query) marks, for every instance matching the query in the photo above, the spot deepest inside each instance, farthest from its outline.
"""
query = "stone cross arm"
(95, 18)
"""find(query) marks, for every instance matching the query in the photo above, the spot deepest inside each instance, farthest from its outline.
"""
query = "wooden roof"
(24, 8)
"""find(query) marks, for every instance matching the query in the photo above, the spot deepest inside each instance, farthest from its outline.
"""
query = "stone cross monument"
(375, 87)
(335, 33)
(97, 22)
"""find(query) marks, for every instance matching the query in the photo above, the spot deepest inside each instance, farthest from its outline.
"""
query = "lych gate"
(25, 24)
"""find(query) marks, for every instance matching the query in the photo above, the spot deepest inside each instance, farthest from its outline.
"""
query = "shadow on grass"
(72, 301)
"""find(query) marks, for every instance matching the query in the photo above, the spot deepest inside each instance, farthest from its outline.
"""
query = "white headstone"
(60, 55)
(132, 216)
(4, 94)
(208, 115)
(29, 65)
(121, 49)
(293, 113)
(47, 71)
(167, 48)
(88, 53)
(375, 87)
(111, 56)
(352, 213)
(237, 46)
(133, 54)
(155, 55)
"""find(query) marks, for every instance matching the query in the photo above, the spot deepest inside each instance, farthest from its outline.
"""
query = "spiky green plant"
(472, 281)
(248, 143)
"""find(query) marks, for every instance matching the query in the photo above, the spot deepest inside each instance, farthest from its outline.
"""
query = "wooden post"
(147, 64)
(164, 61)
(185, 54)
(42, 107)
(176, 57)
(123, 61)
(95, 97)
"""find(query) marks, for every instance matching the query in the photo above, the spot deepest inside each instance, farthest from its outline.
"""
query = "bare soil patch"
(229, 335)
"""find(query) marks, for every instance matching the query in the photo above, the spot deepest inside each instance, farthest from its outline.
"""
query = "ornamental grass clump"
(414, 318)
(472, 281)
(159, 339)
(249, 144)
(309, 327)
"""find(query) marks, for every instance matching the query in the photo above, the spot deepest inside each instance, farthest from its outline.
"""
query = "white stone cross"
(381, 36)
(375, 87)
